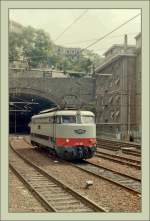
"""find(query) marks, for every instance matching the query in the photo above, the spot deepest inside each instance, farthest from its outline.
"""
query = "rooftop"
(138, 36)
(114, 53)
(119, 46)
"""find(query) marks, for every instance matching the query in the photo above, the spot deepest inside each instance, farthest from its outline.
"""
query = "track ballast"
(54, 195)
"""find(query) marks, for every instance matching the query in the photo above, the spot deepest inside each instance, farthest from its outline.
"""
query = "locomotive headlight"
(92, 141)
(67, 140)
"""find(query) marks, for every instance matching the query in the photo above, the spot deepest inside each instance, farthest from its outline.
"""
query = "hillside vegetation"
(36, 47)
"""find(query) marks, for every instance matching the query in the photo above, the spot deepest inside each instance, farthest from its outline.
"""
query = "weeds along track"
(54, 195)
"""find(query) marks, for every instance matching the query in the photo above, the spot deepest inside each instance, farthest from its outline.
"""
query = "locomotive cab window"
(69, 119)
(87, 119)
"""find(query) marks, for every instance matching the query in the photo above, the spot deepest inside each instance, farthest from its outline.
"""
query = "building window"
(110, 99)
(117, 114)
(117, 98)
(117, 81)
(112, 115)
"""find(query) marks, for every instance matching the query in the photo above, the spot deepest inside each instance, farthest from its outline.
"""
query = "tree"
(15, 46)
(36, 46)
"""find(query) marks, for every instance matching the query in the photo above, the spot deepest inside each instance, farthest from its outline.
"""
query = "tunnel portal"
(22, 107)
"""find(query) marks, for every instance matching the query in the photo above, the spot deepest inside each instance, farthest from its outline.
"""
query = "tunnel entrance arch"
(35, 92)
(23, 104)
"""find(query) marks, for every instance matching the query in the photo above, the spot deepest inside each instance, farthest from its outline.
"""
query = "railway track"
(120, 159)
(127, 147)
(54, 195)
(119, 143)
(131, 152)
(128, 182)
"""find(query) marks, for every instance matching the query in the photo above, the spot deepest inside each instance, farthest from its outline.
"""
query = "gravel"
(104, 193)
(20, 198)
(116, 166)
(120, 153)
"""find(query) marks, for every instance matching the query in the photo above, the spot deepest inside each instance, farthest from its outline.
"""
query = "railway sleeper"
(71, 206)
(73, 203)
(62, 200)
(54, 194)
(57, 198)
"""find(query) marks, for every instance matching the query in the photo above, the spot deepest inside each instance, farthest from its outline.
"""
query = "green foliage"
(14, 46)
(36, 46)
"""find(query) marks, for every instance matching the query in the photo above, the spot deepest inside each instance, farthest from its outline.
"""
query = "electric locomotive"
(70, 133)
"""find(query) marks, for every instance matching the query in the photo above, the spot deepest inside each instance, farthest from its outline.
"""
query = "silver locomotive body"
(71, 134)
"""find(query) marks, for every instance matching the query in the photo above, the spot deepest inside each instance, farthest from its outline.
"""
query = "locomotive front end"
(76, 135)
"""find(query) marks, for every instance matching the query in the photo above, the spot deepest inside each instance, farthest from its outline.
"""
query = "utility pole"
(129, 111)
(93, 70)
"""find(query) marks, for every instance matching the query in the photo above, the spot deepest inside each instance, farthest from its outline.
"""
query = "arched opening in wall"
(22, 107)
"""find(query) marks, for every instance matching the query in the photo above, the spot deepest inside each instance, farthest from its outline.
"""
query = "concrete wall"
(114, 94)
(59, 90)
(138, 111)
(116, 98)
(108, 100)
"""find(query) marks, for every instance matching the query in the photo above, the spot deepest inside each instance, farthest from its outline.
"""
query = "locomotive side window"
(51, 120)
(69, 119)
(87, 119)
(58, 119)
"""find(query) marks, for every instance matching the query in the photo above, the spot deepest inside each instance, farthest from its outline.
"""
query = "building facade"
(118, 92)
(71, 52)
(138, 83)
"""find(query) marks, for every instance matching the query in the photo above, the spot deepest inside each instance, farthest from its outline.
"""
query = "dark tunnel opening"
(22, 107)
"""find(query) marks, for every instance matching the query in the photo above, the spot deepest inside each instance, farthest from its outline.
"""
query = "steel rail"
(118, 144)
(101, 172)
(102, 176)
(87, 202)
(114, 158)
(104, 168)
(131, 152)
(114, 171)
(116, 148)
(118, 156)
(36, 194)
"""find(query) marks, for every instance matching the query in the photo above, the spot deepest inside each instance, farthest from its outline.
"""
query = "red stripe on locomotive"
(88, 142)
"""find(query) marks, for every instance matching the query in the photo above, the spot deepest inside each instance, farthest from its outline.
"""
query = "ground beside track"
(131, 171)
(102, 192)
(20, 198)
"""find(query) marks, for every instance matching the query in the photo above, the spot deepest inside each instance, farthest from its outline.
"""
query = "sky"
(92, 24)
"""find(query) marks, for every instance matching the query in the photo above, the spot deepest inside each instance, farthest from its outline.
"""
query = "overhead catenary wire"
(69, 26)
(97, 40)
(88, 40)
(118, 27)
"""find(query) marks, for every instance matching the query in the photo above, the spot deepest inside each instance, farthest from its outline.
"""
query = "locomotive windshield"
(69, 119)
(82, 119)
(87, 119)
